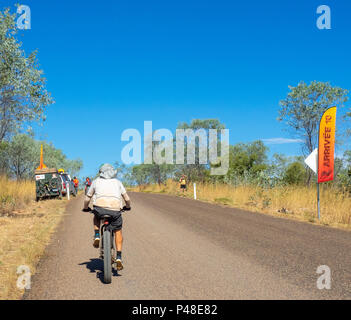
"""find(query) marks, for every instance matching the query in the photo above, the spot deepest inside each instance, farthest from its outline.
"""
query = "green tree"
(23, 96)
(295, 173)
(3, 160)
(343, 171)
(140, 175)
(159, 173)
(197, 171)
(22, 156)
(303, 107)
(122, 170)
(278, 166)
(248, 158)
(150, 173)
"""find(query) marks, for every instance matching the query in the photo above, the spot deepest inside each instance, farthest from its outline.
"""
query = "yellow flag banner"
(326, 145)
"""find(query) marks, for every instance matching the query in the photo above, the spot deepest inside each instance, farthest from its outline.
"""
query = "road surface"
(177, 248)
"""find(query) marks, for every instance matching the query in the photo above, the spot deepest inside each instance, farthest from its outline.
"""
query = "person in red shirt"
(76, 184)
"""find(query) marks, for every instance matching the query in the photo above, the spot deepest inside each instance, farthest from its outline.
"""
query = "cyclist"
(87, 184)
(107, 193)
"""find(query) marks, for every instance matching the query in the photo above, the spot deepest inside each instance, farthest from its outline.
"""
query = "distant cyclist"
(107, 193)
(182, 182)
(87, 184)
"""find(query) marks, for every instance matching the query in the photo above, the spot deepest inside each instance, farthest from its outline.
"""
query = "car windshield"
(64, 177)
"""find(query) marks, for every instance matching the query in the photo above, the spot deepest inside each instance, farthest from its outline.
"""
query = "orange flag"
(326, 146)
(42, 165)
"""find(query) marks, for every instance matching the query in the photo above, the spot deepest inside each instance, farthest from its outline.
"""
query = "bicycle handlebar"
(122, 210)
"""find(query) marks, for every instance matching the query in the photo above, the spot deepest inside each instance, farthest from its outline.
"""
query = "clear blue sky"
(111, 65)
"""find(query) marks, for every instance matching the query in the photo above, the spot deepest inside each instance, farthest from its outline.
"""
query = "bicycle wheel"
(107, 256)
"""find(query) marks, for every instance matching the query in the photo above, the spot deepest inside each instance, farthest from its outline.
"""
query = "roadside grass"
(15, 195)
(297, 202)
(26, 228)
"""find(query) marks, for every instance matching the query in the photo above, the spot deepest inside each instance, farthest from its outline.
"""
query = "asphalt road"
(177, 248)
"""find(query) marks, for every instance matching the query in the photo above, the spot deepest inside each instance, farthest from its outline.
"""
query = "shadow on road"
(97, 266)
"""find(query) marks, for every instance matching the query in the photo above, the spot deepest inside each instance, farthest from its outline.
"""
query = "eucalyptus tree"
(22, 154)
(303, 107)
(23, 93)
(198, 171)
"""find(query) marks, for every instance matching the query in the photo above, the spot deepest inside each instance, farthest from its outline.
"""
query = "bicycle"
(108, 246)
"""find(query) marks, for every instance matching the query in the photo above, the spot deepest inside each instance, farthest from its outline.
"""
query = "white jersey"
(107, 193)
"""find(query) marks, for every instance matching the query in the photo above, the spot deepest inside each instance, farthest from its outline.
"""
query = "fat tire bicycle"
(107, 246)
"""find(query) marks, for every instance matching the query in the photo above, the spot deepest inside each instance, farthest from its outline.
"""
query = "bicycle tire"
(107, 256)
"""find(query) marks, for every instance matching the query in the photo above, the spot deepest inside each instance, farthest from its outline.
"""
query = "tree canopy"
(303, 107)
(23, 95)
(21, 156)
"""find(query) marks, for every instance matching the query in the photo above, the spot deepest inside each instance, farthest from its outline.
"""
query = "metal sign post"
(195, 191)
(67, 188)
(318, 203)
(312, 162)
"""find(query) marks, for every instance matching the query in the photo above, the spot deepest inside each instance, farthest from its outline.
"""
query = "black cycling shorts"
(116, 220)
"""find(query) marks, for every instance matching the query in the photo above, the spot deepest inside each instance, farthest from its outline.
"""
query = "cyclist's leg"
(119, 240)
(96, 223)
(119, 243)
(96, 242)
(117, 223)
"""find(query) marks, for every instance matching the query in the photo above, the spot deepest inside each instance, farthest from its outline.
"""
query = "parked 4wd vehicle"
(65, 181)
(48, 183)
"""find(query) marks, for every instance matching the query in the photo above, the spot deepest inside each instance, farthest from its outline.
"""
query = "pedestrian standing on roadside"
(76, 184)
(182, 182)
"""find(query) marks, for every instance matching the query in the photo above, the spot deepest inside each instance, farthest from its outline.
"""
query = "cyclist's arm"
(89, 195)
(124, 194)
(126, 199)
(86, 202)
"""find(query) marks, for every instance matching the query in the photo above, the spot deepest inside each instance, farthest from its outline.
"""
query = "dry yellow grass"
(26, 228)
(15, 195)
(293, 202)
